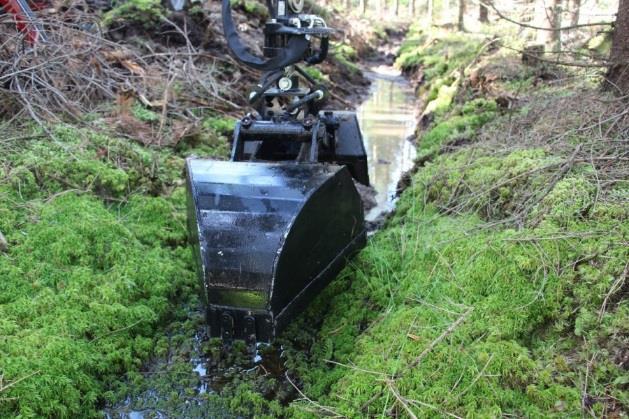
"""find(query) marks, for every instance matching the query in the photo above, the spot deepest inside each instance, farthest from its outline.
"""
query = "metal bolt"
(308, 123)
(246, 121)
(285, 84)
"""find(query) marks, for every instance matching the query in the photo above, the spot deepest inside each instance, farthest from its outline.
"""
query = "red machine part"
(25, 20)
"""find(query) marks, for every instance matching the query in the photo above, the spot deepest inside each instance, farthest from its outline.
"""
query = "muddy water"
(387, 119)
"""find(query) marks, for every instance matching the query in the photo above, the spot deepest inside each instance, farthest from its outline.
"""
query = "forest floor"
(498, 287)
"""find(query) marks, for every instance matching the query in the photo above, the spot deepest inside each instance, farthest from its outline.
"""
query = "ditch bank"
(202, 378)
(495, 288)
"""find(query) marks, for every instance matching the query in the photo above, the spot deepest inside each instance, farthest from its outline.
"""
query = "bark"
(483, 16)
(396, 7)
(576, 12)
(540, 20)
(618, 73)
(430, 11)
(548, 15)
(461, 23)
(555, 23)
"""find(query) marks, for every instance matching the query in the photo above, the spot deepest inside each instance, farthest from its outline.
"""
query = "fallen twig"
(439, 338)
(4, 387)
(616, 286)
(326, 409)
(400, 400)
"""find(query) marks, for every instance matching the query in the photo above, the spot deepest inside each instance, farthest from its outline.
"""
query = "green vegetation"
(97, 263)
(252, 7)
(146, 13)
(497, 288)
(438, 53)
(317, 75)
(144, 114)
(494, 290)
(223, 125)
(346, 56)
(460, 124)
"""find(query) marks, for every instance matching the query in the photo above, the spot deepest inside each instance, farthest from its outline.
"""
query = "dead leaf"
(122, 57)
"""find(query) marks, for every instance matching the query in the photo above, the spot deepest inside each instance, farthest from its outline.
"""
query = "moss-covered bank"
(97, 262)
(498, 286)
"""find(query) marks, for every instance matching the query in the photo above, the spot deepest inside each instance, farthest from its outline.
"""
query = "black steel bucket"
(267, 237)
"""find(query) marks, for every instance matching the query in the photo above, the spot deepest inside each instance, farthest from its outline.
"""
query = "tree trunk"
(483, 16)
(363, 6)
(430, 11)
(348, 5)
(461, 24)
(411, 7)
(540, 19)
(618, 73)
(549, 17)
(555, 24)
(576, 12)
(446, 11)
(396, 7)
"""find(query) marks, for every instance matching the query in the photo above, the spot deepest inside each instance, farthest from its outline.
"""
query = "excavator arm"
(25, 20)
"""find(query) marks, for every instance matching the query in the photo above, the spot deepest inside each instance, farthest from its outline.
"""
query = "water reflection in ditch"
(387, 119)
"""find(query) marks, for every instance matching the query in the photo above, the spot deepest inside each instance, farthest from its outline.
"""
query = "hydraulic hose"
(293, 52)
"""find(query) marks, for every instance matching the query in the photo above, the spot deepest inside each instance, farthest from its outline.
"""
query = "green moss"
(96, 265)
(221, 125)
(451, 129)
(445, 53)
(443, 98)
(252, 7)
(346, 56)
(82, 296)
(317, 75)
(144, 114)
(146, 13)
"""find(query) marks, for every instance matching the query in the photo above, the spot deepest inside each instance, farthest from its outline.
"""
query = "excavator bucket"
(267, 237)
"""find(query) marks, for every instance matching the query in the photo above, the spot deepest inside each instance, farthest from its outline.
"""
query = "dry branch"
(439, 338)
(322, 409)
(79, 71)
(541, 28)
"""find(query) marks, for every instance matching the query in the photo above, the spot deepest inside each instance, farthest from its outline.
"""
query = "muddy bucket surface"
(267, 237)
